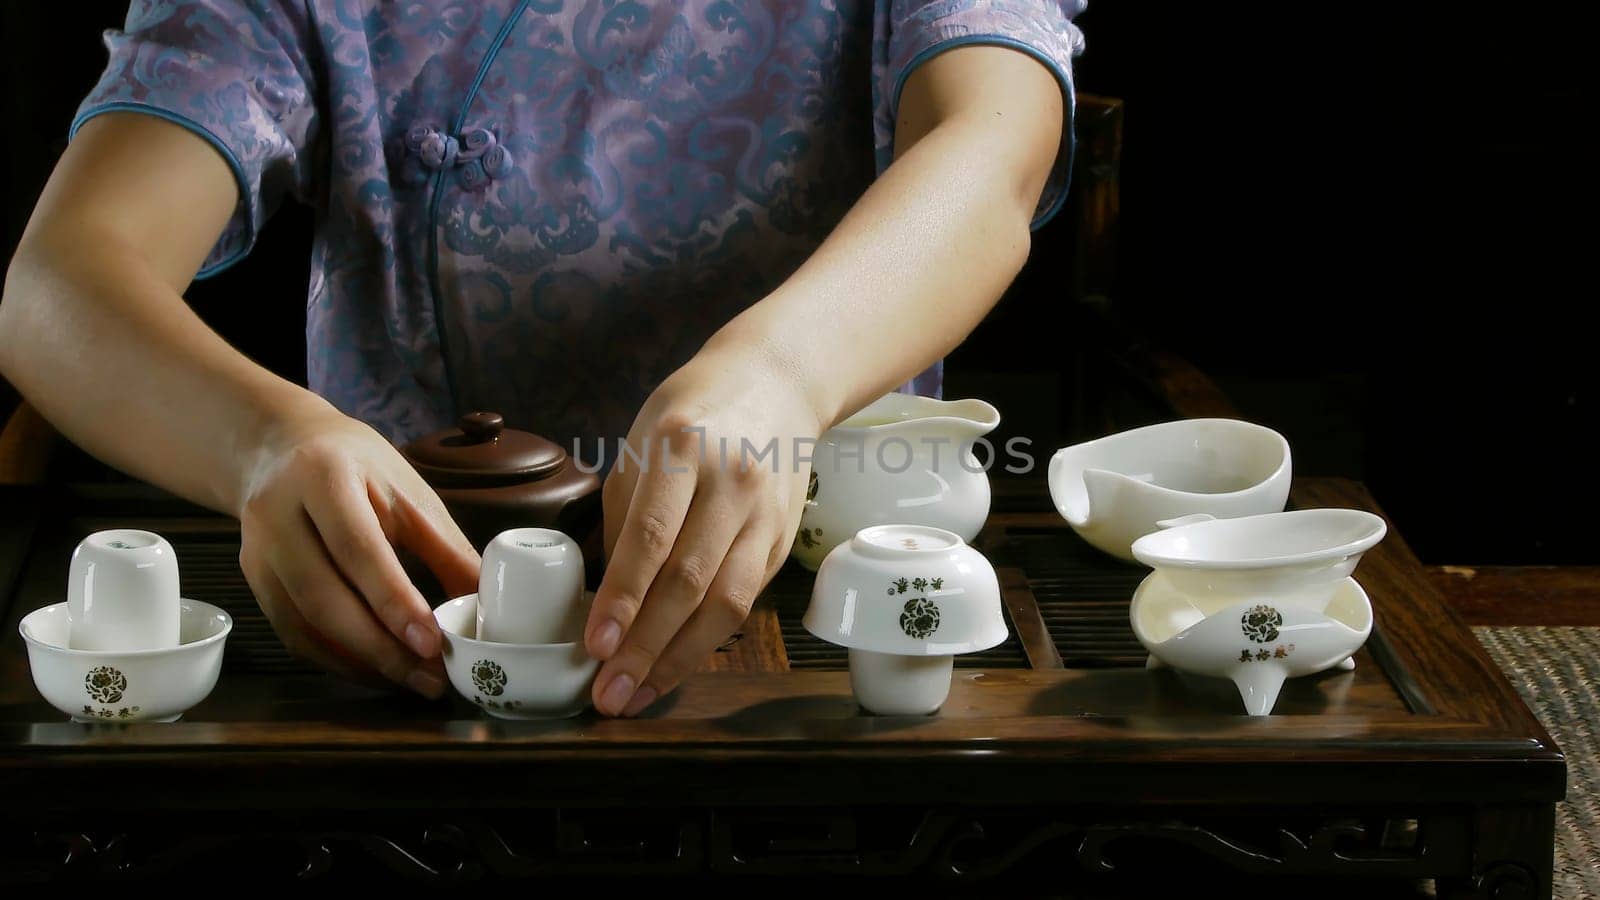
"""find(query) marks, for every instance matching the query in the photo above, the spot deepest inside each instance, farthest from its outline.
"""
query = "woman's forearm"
(94, 331)
(120, 365)
(928, 250)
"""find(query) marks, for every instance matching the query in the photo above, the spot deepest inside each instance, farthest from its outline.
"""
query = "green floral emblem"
(1261, 624)
(104, 684)
(920, 618)
(488, 677)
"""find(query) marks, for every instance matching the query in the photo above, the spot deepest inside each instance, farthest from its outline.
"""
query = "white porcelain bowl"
(154, 685)
(513, 681)
(1255, 645)
(902, 459)
(1293, 558)
(909, 590)
(905, 599)
(1114, 490)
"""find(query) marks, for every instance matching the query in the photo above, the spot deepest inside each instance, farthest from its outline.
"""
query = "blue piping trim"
(1062, 78)
(438, 194)
(246, 195)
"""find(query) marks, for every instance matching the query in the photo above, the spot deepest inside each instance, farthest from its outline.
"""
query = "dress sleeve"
(236, 74)
(910, 32)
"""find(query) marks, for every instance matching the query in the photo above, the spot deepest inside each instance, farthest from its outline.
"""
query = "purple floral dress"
(544, 207)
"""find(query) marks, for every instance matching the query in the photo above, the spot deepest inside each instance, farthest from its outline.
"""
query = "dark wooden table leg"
(1514, 856)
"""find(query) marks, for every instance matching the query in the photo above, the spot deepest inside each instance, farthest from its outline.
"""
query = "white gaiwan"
(1114, 490)
(515, 648)
(1256, 599)
(903, 459)
(513, 681)
(150, 685)
(905, 599)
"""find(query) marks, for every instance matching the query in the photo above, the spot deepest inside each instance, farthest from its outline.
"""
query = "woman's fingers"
(715, 519)
(297, 635)
(329, 607)
(656, 511)
(350, 530)
(423, 526)
(725, 607)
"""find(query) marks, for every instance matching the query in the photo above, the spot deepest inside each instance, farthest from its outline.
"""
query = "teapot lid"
(482, 452)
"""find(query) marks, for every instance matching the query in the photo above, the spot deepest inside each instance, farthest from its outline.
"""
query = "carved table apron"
(1057, 753)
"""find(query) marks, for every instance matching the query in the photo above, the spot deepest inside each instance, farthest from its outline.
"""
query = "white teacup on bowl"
(905, 600)
(513, 681)
(1114, 490)
(145, 685)
(530, 589)
(122, 592)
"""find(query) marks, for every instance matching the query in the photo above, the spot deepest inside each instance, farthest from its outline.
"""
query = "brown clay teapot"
(492, 478)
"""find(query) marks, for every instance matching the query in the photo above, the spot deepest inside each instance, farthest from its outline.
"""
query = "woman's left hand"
(697, 519)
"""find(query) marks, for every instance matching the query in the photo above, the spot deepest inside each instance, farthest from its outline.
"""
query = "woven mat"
(1557, 670)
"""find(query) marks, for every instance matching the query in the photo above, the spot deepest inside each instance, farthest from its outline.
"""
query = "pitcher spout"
(959, 420)
(1102, 486)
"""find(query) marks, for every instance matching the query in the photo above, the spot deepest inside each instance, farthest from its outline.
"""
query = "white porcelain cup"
(530, 589)
(890, 685)
(122, 592)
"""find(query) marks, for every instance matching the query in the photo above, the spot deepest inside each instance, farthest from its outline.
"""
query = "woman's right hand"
(326, 503)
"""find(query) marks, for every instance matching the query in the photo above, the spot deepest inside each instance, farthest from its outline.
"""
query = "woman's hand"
(697, 521)
(326, 502)
(93, 308)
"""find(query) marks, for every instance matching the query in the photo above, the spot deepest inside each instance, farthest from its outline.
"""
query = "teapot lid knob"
(482, 427)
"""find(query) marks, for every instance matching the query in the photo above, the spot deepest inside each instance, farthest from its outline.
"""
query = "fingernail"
(616, 694)
(420, 641)
(645, 697)
(606, 639)
(425, 683)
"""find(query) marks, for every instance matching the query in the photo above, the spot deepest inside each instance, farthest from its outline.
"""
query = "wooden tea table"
(1057, 755)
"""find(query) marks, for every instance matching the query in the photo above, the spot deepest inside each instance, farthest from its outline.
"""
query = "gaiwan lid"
(907, 590)
(482, 452)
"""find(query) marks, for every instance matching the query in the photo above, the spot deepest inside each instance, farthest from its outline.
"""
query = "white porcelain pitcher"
(902, 460)
(1114, 490)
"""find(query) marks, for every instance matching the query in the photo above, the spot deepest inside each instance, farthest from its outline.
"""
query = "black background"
(1367, 223)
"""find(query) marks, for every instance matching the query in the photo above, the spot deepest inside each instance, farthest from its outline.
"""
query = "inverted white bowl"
(1292, 558)
(513, 681)
(1255, 645)
(910, 590)
(1114, 490)
(155, 685)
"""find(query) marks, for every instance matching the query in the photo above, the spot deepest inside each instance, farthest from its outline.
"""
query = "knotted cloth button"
(497, 161)
(476, 142)
(438, 151)
(415, 135)
(473, 178)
